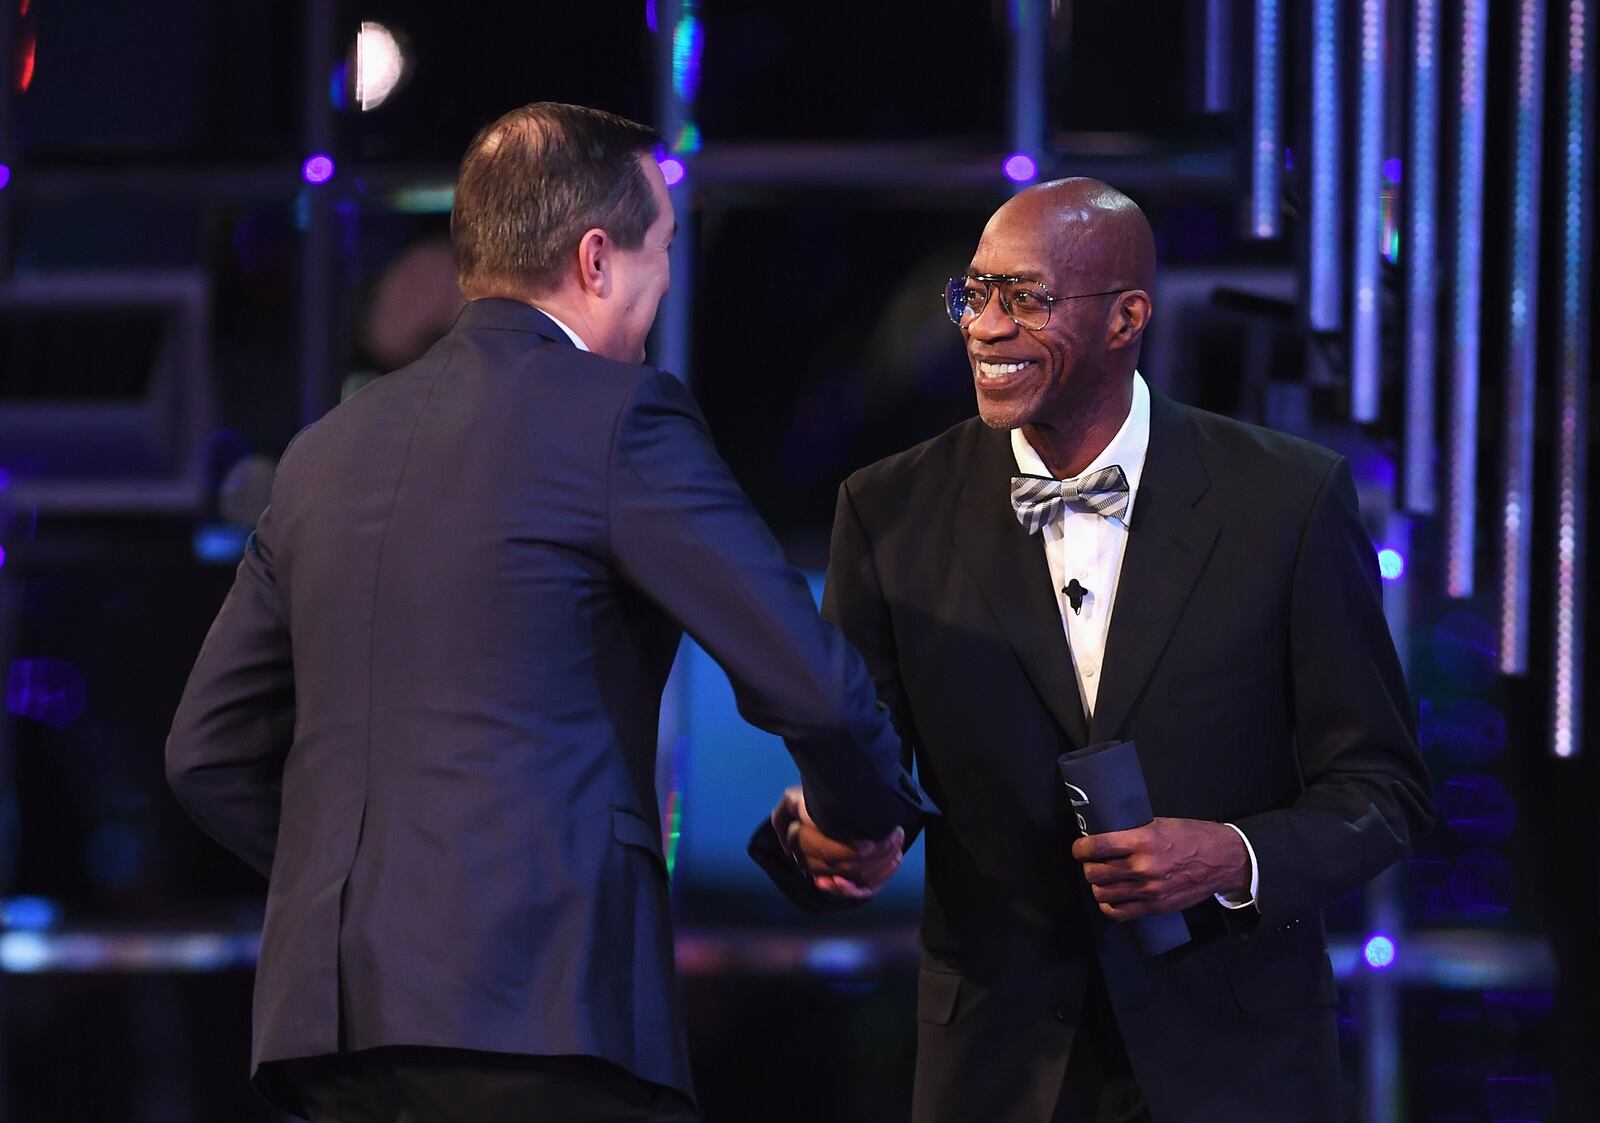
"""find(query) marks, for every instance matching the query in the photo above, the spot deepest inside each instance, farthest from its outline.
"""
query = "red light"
(25, 66)
(22, 10)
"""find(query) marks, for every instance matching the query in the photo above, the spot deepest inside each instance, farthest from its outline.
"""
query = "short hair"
(533, 181)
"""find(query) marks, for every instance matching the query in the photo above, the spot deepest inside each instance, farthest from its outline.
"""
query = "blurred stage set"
(1375, 226)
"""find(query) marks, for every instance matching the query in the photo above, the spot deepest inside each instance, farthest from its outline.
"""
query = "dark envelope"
(1106, 786)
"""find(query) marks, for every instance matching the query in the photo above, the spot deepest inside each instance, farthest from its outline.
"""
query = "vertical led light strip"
(1461, 518)
(680, 41)
(1522, 322)
(1367, 265)
(1327, 214)
(1219, 56)
(1572, 420)
(1422, 293)
(1266, 155)
(1030, 40)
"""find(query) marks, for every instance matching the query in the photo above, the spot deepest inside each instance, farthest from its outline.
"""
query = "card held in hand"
(1108, 793)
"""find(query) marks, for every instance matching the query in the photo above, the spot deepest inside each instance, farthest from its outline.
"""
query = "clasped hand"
(1164, 866)
(846, 869)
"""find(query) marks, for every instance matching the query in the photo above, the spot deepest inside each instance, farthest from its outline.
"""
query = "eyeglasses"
(1027, 302)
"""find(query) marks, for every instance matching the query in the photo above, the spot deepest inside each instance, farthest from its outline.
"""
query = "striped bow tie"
(1039, 499)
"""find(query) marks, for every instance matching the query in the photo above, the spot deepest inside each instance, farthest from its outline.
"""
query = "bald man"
(1199, 586)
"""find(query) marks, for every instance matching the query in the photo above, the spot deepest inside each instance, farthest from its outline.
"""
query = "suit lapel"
(1168, 542)
(1008, 565)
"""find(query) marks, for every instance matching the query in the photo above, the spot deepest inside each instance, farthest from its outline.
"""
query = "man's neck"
(1069, 445)
(570, 312)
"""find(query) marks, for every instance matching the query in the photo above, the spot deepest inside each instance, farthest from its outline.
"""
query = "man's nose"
(992, 322)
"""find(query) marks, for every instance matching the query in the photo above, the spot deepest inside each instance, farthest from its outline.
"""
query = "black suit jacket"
(1248, 658)
(428, 708)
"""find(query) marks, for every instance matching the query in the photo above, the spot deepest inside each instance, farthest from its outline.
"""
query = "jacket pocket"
(632, 830)
(937, 992)
(1282, 971)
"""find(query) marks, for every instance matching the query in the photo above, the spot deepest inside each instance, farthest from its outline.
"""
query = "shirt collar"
(1127, 448)
(577, 340)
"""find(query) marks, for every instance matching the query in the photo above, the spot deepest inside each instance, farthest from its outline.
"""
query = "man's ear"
(1129, 318)
(594, 262)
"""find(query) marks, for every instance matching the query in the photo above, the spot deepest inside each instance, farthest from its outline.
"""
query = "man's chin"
(1000, 416)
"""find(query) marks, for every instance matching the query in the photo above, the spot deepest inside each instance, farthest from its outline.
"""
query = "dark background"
(148, 140)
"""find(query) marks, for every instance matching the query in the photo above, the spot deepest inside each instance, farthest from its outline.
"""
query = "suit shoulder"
(932, 463)
(1254, 451)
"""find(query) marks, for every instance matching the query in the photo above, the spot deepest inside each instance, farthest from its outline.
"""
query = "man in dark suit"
(428, 708)
(1085, 562)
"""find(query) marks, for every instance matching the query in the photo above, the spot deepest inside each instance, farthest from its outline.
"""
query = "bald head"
(1087, 251)
(1095, 236)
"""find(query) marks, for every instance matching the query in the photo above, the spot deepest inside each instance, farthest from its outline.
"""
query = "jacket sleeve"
(235, 722)
(1366, 794)
(683, 532)
(853, 599)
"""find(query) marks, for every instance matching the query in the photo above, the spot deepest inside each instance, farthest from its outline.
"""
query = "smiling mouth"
(1001, 372)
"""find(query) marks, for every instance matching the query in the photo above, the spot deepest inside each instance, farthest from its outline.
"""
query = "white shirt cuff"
(1229, 902)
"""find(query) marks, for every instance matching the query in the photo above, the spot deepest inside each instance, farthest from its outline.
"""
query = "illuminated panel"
(1522, 320)
(1422, 295)
(1327, 219)
(1461, 521)
(1366, 271)
(1572, 446)
(1266, 156)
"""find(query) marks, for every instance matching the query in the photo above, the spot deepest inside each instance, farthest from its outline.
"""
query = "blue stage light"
(220, 543)
(1391, 564)
(1266, 155)
(1522, 316)
(31, 913)
(1572, 385)
(672, 170)
(1365, 308)
(1326, 263)
(1461, 517)
(1379, 952)
(1478, 807)
(688, 41)
(1422, 293)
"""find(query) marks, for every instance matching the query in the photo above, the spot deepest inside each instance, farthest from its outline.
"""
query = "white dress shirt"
(577, 340)
(1086, 547)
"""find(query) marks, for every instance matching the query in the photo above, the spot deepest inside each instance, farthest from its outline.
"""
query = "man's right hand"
(857, 870)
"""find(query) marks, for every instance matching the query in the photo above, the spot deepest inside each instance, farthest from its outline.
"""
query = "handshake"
(854, 870)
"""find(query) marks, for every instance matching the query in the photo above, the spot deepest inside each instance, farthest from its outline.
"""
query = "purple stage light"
(51, 691)
(1391, 169)
(2, 557)
(5, 176)
(317, 169)
(1391, 564)
(672, 170)
(1020, 168)
(1379, 952)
